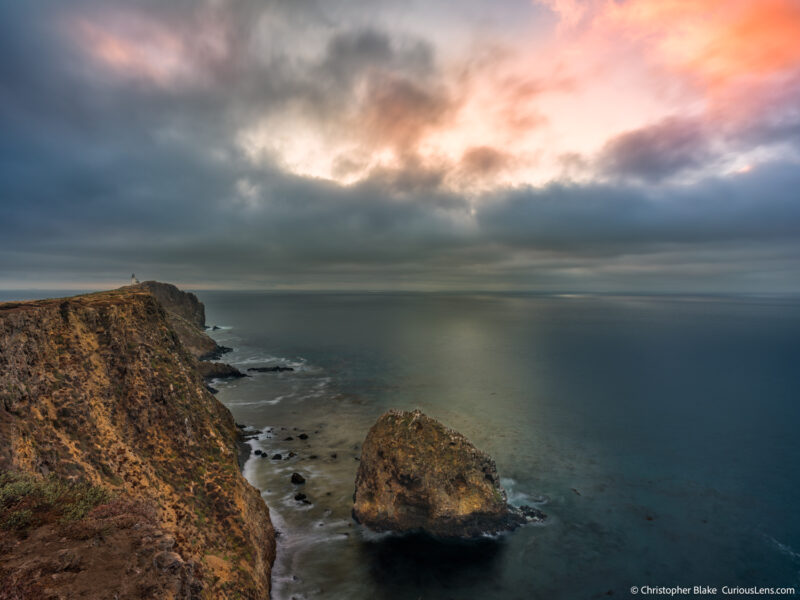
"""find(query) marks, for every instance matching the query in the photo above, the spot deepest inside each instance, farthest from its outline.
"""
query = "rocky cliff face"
(176, 301)
(187, 317)
(416, 474)
(97, 391)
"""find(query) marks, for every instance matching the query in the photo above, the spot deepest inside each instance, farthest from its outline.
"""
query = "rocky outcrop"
(199, 345)
(177, 302)
(416, 474)
(217, 370)
(187, 317)
(98, 389)
(215, 353)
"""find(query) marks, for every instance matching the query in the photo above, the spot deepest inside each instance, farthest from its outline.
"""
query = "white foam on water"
(269, 360)
(256, 402)
(249, 468)
(784, 548)
(288, 501)
(515, 497)
(281, 571)
(223, 337)
(320, 388)
(293, 542)
(375, 536)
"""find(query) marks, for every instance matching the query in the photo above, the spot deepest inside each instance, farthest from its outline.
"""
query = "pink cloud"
(130, 45)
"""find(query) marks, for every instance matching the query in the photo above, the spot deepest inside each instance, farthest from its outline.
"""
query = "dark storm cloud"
(757, 206)
(304, 231)
(350, 54)
(104, 173)
(676, 145)
(657, 151)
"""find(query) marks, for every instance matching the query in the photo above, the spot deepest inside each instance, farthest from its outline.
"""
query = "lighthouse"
(134, 281)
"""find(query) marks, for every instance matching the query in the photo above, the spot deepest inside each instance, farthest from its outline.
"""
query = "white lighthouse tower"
(134, 281)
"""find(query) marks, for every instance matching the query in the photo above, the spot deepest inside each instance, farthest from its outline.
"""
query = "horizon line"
(566, 293)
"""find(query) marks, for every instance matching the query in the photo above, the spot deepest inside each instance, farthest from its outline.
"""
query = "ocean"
(659, 435)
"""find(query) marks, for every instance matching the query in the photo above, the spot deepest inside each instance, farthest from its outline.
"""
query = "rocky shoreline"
(428, 477)
(166, 472)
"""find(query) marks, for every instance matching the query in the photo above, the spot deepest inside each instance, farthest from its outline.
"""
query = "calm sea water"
(658, 434)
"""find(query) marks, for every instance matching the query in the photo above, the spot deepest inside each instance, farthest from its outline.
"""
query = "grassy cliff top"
(120, 295)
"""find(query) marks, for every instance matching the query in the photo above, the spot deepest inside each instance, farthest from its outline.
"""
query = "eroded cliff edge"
(99, 389)
(187, 317)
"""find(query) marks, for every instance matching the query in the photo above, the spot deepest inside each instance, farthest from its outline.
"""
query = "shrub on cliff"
(28, 501)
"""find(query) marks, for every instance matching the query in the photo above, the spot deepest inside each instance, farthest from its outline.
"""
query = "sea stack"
(416, 474)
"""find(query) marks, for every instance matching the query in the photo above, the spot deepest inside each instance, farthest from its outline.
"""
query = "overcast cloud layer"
(551, 145)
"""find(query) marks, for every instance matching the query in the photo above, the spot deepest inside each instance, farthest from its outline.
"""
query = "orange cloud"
(397, 113)
(509, 112)
(762, 39)
(721, 42)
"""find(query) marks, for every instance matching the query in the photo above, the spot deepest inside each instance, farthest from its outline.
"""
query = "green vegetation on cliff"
(30, 501)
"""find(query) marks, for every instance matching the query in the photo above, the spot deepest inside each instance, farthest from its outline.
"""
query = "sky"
(549, 145)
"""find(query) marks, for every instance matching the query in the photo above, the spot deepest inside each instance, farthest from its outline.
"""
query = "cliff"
(118, 470)
(187, 317)
(183, 304)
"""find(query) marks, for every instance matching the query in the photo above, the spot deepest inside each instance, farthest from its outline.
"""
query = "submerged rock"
(298, 479)
(416, 474)
(277, 369)
(531, 514)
